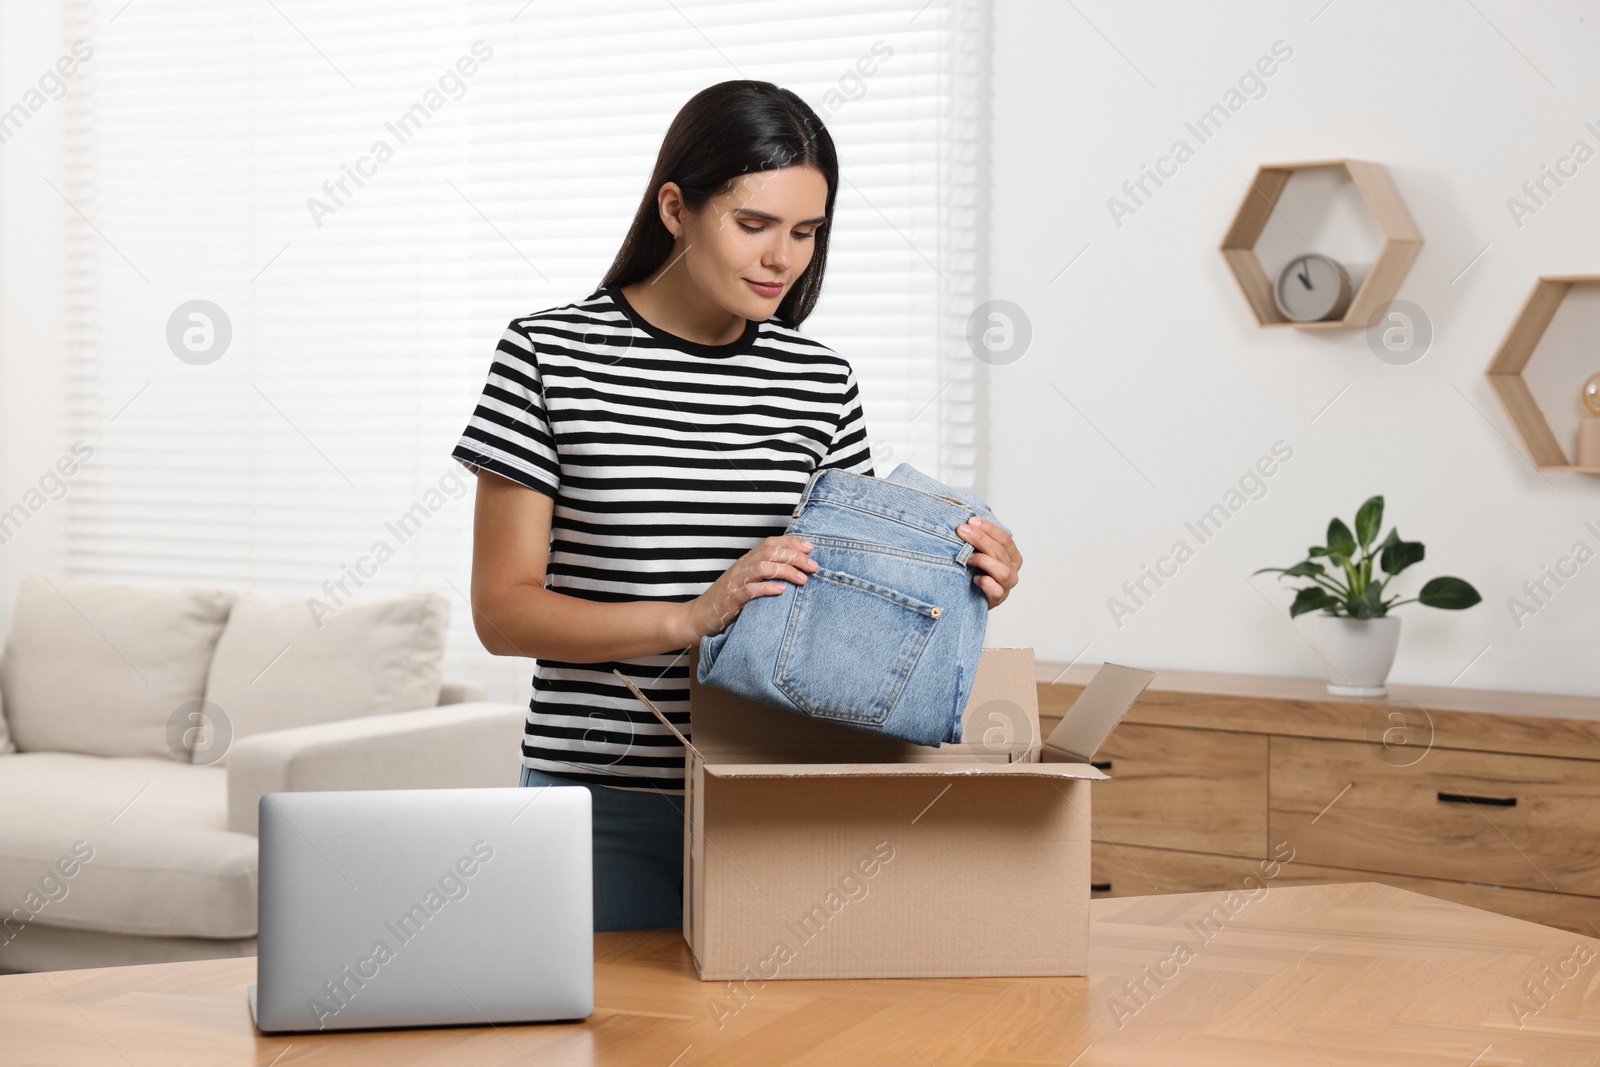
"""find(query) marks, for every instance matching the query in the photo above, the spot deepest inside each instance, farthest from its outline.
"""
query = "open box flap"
(655, 711)
(1096, 712)
(1000, 721)
(1000, 725)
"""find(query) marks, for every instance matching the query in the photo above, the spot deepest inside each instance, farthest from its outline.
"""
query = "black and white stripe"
(667, 460)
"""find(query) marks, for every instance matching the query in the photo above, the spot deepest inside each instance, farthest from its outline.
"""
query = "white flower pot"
(1357, 653)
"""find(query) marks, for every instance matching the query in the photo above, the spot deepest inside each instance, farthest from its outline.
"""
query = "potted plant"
(1358, 635)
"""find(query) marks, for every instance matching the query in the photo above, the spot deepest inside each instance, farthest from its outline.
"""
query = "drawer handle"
(1463, 798)
(1099, 887)
(1100, 764)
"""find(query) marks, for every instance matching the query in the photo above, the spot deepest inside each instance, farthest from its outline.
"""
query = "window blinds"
(362, 194)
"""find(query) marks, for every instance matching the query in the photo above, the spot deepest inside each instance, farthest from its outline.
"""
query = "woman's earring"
(674, 235)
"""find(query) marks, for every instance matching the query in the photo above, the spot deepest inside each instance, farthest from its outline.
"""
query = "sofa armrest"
(454, 746)
(462, 691)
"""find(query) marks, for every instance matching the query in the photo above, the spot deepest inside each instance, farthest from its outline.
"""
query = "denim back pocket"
(850, 645)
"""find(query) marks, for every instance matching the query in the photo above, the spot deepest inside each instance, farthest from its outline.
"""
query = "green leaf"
(1452, 594)
(1367, 605)
(1340, 541)
(1392, 539)
(1368, 520)
(1305, 570)
(1295, 570)
(1400, 555)
(1310, 599)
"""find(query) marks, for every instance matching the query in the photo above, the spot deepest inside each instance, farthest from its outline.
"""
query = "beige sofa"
(139, 729)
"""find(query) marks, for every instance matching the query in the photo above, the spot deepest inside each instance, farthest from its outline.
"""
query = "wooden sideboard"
(1487, 798)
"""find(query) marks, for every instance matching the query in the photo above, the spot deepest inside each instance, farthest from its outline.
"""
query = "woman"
(639, 455)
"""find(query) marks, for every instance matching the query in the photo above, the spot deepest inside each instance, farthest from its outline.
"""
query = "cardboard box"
(817, 850)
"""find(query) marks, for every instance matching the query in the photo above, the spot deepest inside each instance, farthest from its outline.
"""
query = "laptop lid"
(424, 907)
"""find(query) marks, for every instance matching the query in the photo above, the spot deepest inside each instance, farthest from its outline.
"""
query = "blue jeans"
(886, 633)
(638, 854)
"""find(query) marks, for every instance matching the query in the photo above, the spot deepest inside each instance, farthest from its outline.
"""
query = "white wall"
(1150, 338)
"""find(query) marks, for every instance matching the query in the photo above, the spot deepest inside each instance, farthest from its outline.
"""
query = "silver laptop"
(424, 907)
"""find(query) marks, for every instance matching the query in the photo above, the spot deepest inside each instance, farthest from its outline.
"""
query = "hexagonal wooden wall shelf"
(1401, 241)
(1505, 371)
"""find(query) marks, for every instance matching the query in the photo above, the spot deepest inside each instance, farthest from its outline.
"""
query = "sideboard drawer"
(1525, 821)
(1135, 871)
(1200, 790)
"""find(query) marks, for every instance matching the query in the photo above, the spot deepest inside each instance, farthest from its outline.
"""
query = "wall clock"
(1312, 288)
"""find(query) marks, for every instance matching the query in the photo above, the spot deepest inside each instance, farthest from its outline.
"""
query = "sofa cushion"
(103, 669)
(279, 665)
(55, 948)
(131, 846)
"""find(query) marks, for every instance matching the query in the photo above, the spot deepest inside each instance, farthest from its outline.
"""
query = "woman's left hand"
(996, 556)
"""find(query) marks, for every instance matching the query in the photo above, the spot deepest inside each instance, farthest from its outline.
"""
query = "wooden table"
(1342, 975)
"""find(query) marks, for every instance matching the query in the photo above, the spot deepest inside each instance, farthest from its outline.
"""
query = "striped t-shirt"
(667, 460)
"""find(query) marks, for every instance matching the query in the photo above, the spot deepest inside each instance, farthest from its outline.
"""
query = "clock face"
(1312, 288)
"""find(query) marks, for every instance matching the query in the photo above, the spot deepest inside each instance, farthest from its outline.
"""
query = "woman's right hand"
(759, 572)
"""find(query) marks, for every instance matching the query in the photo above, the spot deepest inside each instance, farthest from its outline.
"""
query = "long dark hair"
(729, 129)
